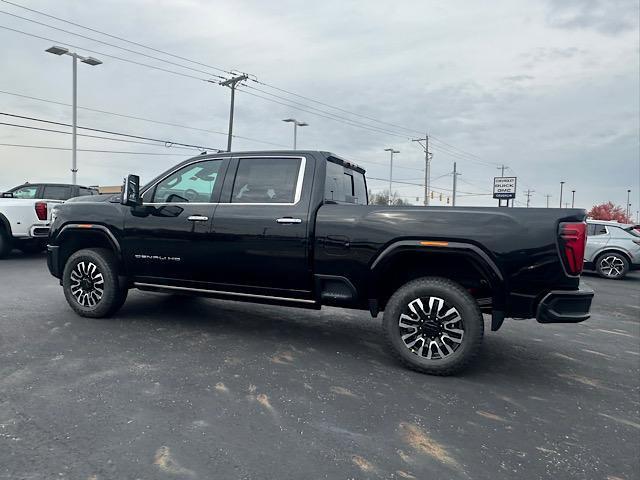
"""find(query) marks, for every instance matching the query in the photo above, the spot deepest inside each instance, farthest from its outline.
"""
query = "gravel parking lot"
(179, 387)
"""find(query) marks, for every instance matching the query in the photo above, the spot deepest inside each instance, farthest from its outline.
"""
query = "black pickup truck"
(294, 228)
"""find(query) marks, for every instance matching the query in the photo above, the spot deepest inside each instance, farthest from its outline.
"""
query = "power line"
(142, 119)
(139, 137)
(116, 37)
(447, 148)
(45, 147)
(110, 44)
(49, 130)
(103, 54)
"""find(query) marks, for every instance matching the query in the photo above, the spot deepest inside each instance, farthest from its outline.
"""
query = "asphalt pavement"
(187, 388)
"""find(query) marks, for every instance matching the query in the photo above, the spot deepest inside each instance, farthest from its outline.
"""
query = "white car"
(25, 214)
(24, 224)
(613, 249)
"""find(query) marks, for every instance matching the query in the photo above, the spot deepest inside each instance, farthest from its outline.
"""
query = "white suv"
(613, 249)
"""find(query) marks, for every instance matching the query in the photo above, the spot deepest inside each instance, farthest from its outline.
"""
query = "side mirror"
(7, 195)
(131, 191)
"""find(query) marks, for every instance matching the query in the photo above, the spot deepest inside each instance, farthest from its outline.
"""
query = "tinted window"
(85, 191)
(193, 183)
(600, 230)
(56, 192)
(344, 185)
(266, 180)
(25, 192)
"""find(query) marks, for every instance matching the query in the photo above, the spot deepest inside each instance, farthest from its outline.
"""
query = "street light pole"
(74, 142)
(628, 209)
(561, 186)
(573, 198)
(296, 124)
(391, 152)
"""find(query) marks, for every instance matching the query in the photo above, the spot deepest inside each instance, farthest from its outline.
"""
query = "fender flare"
(80, 227)
(478, 256)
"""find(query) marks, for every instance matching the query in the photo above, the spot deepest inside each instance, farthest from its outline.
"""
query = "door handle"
(289, 220)
(197, 218)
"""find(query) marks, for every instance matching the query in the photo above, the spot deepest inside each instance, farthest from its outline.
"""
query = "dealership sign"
(504, 187)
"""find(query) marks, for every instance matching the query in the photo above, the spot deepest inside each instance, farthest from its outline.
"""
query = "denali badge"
(160, 258)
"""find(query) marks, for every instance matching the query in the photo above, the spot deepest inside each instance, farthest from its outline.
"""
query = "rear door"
(598, 237)
(261, 227)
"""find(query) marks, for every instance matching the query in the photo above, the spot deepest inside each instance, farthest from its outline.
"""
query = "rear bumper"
(565, 306)
(52, 260)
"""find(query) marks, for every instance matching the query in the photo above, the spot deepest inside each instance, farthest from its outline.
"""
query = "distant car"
(49, 191)
(26, 211)
(613, 249)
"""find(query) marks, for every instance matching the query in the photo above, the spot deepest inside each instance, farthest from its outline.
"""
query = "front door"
(261, 227)
(167, 239)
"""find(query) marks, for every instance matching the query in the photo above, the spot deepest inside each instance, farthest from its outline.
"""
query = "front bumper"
(52, 260)
(565, 306)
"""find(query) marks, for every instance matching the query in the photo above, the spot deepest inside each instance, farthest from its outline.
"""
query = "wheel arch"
(74, 237)
(419, 258)
(609, 249)
(4, 223)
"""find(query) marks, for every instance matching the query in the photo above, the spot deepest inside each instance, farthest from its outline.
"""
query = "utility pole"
(561, 186)
(573, 198)
(231, 83)
(455, 183)
(528, 193)
(427, 170)
(391, 152)
(628, 209)
(548, 197)
(566, 205)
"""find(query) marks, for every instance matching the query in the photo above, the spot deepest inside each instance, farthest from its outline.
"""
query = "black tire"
(457, 355)
(5, 242)
(96, 269)
(612, 265)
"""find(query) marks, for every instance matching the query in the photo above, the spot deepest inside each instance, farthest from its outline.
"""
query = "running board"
(224, 294)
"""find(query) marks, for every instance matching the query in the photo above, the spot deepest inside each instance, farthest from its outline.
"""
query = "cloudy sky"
(548, 88)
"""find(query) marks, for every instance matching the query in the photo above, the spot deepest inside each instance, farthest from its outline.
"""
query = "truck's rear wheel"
(5, 242)
(433, 325)
(90, 283)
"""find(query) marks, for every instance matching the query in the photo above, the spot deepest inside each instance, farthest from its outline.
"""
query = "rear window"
(56, 192)
(344, 185)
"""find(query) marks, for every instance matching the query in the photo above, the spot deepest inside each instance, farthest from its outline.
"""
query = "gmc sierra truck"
(294, 228)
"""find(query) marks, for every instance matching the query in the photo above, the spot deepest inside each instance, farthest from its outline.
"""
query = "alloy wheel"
(87, 284)
(612, 266)
(431, 328)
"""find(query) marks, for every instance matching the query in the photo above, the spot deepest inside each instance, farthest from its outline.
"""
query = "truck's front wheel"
(433, 325)
(90, 283)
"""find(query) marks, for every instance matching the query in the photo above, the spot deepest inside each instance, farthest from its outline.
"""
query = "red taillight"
(41, 210)
(572, 242)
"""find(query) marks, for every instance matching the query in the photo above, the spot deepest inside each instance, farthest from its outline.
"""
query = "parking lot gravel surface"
(189, 388)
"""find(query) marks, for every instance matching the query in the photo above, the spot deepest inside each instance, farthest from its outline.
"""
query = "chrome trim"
(289, 221)
(296, 198)
(221, 292)
(197, 218)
